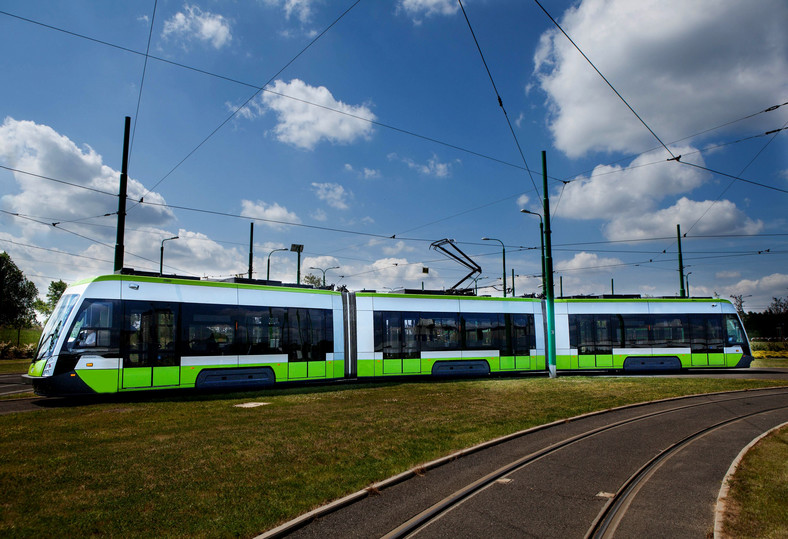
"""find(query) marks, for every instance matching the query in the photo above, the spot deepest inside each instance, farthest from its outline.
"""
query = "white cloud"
(269, 212)
(365, 173)
(39, 149)
(427, 8)
(300, 8)
(304, 125)
(720, 217)
(669, 59)
(319, 215)
(332, 194)
(194, 24)
(588, 262)
(433, 167)
(399, 247)
(522, 201)
(628, 199)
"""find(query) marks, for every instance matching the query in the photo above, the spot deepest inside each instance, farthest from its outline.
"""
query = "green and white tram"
(134, 332)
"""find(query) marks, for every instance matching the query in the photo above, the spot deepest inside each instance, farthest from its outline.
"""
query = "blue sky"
(382, 133)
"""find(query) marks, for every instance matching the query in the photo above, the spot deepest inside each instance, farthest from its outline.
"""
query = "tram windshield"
(54, 326)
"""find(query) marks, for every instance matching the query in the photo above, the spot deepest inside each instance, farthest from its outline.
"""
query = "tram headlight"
(49, 367)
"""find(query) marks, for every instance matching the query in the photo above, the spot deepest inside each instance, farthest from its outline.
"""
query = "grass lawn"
(14, 366)
(758, 496)
(195, 465)
(26, 336)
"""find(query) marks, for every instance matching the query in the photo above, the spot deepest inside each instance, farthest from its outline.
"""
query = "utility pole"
(682, 293)
(251, 247)
(124, 169)
(548, 265)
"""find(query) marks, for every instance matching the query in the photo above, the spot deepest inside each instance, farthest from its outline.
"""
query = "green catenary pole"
(548, 265)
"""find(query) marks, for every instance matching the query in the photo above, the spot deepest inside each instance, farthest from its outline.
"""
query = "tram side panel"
(412, 335)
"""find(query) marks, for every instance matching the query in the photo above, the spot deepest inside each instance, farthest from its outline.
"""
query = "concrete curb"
(722, 502)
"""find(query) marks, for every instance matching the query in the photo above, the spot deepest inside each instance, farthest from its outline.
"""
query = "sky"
(367, 130)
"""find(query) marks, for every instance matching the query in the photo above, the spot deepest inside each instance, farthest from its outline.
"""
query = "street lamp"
(504, 261)
(686, 277)
(541, 238)
(324, 272)
(161, 257)
(297, 248)
(268, 272)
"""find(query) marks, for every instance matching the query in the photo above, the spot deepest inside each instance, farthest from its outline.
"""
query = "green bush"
(12, 351)
(769, 345)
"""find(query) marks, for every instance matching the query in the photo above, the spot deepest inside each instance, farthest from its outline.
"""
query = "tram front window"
(54, 326)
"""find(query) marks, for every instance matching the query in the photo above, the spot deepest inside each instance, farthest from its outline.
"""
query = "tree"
(17, 295)
(314, 280)
(56, 289)
(738, 303)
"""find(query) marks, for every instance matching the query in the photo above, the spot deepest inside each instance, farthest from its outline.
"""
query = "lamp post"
(504, 261)
(268, 272)
(541, 238)
(324, 272)
(161, 256)
(686, 277)
(297, 248)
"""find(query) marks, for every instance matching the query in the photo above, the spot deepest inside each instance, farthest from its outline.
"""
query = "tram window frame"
(636, 330)
(95, 329)
(209, 329)
(154, 350)
(523, 331)
(665, 327)
(483, 331)
(734, 332)
(438, 331)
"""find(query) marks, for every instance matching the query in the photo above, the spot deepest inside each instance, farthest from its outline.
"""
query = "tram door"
(595, 335)
(707, 339)
(150, 338)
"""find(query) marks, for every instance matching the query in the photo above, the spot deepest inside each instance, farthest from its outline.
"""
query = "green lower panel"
(136, 377)
(507, 363)
(540, 362)
(699, 360)
(524, 362)
(411, 366)
(731, 360)
(586, 361)
(166, 376)
(366, 367)
(316, 369)
(604, 361)
(565, 362)
(717, 360)
(296, 370)
(100, 380)
(392, 366)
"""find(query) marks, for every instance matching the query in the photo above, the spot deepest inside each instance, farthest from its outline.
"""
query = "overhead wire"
(142, 81)
(498, 95)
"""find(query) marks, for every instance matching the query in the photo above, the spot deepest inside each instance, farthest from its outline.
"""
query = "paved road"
(570, 473)
(11, 384)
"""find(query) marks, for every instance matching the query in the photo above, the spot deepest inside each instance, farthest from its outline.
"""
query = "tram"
(132, 331)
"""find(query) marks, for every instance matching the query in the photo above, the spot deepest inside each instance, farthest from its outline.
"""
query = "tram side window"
(706, 333)
(388, 334)
(208, 330)
(262, 330)
(671, 331)
(636, 330)
(439, 331)
(523, 334)
(307, 336)
(95, 328)
(149, 334)
(734, 334)
(484, 331)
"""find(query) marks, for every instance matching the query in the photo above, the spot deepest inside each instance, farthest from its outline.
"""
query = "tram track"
(615, 507)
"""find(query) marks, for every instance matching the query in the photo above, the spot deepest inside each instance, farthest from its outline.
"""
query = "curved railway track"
(556, 481)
